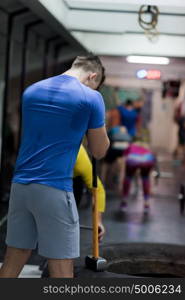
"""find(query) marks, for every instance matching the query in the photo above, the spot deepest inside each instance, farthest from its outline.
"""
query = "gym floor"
(164, 224)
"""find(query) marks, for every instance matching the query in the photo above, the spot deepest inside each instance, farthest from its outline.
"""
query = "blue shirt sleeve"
(97, 115)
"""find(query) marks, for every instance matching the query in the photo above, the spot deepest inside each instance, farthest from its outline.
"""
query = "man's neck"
(77, 73)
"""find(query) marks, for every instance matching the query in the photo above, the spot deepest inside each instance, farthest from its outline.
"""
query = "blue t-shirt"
(56, 113)
(128, 119)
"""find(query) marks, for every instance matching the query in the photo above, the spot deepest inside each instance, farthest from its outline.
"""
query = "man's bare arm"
(98, 142)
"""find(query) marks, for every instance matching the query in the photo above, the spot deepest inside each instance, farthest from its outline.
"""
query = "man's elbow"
(101, 152)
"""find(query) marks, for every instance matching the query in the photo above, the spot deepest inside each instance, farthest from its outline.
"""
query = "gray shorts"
(43, 215)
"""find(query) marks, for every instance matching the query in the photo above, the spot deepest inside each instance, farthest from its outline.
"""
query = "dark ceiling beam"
(27, 27)
(47, 44)
(43, 13)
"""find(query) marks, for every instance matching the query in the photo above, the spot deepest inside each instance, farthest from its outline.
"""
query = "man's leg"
(56, 210)
(60, 268)
(14, 261)
(21, 232)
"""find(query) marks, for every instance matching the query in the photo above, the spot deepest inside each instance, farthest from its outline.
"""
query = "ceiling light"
(148, 60)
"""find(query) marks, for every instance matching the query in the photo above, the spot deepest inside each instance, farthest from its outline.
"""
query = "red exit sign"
(149, 74)
(153, 74)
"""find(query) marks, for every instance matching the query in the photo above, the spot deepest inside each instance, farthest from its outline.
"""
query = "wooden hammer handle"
(95, 211)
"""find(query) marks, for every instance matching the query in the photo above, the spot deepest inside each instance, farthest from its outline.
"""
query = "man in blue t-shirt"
(129, 117)
(56, 114)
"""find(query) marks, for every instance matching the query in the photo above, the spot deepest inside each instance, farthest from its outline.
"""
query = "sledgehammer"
(94, 261)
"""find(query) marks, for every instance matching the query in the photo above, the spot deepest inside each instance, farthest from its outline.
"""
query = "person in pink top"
(138, 156)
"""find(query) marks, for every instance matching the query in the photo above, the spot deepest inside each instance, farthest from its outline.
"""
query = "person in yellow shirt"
(83, 168)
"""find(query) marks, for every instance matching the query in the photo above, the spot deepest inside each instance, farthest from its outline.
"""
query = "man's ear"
(93, 76)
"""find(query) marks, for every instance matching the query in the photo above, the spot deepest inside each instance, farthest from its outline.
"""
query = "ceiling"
(110, 27)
